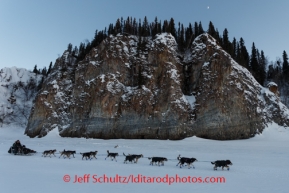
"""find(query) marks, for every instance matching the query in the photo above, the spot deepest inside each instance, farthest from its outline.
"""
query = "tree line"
(255, 62)
(43, 71)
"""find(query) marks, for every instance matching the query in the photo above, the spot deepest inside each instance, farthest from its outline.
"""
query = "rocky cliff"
(18, 88)
(121, 91)
(230, 104)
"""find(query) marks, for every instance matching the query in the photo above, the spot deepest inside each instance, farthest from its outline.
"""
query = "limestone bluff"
(119, 91)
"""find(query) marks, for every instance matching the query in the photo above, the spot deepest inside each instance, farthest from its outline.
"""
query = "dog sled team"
(18, 149)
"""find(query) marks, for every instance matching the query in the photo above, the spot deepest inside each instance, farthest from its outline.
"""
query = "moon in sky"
(208, 7)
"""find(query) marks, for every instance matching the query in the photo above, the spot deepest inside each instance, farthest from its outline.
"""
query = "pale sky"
(38, 31)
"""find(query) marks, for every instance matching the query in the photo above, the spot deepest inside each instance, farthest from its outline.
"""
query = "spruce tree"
(159, 27)
(181, 38)
(253, 60)
(35, 70)
(49, 68)
(189, 35)
(44, 71)
(121, 25)
(110, 29)
(226, 42)
(196, 29)
(243, 55)
(179, 31)
(262, 67)
(257, 65)
(285, 65)
(75, 51)
(126, 27)
(172, 28)
(117, 27)
(140, 28)
(238, 53)
(69, 48)
(105, 32)
(95, 39)
(145, 27)
(234, 49)
(270, 72)
(200, 28)
(165, 26)
(134, 27)
(211, 30)
(87, 48)
(81, 52)
(155, 27)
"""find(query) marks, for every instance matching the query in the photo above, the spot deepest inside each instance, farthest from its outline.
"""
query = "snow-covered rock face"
(123, 91)
(117, 91)
(230, 102)
(18, 88)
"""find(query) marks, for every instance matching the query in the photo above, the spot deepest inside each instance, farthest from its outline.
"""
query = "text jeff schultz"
(87, 178)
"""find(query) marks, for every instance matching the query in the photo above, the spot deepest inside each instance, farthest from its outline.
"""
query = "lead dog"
(111, 155)
(158, 159)
(49, 152)
(222, 163)
(188, 161)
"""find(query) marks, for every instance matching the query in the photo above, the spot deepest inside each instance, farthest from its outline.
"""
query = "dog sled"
(21, 150)
(18, 149)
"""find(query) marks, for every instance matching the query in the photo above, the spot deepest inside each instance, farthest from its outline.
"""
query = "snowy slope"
(17, 90)
(260, 164)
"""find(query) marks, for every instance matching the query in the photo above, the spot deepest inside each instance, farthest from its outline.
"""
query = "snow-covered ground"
(260, 164)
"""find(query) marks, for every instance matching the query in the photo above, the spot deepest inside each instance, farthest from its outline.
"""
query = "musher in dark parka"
(17, 146)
